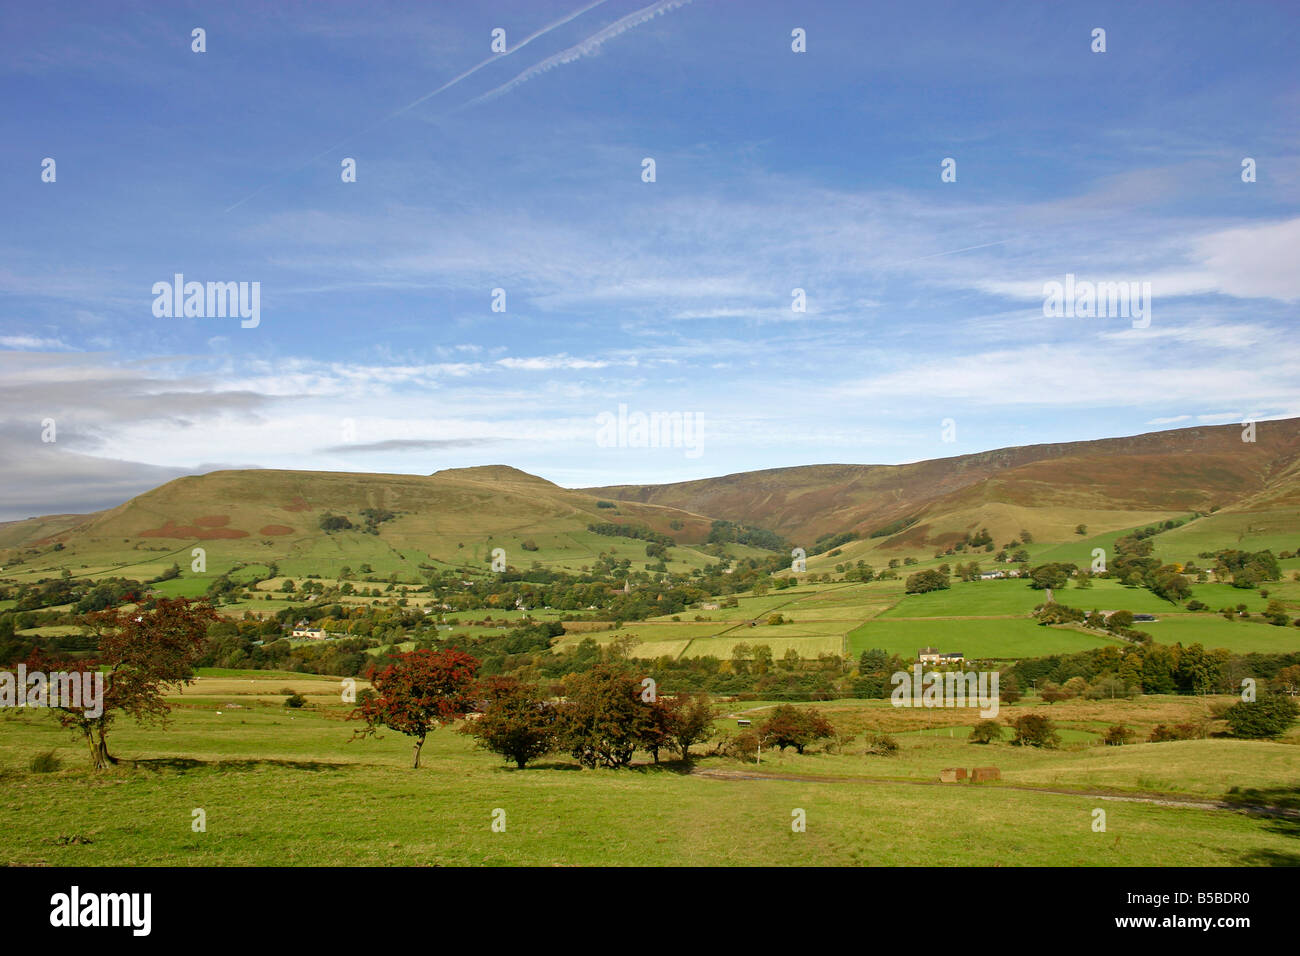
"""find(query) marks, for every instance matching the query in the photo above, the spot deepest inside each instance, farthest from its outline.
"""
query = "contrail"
(953, 252)
(427, 96)
(579, 50)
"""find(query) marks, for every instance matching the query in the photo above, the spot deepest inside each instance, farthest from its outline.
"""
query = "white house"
(929, 655)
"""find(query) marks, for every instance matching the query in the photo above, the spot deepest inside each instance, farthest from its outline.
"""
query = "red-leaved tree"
(143, 653)
(417, 692)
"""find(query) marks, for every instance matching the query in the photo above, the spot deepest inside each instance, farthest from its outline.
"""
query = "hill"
(456, 517)
(391, 522)
(1108, 484)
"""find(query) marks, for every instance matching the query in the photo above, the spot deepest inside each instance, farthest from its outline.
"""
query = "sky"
(922, 172)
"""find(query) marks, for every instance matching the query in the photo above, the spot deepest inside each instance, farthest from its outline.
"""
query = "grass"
(976, 638)
(283, 787)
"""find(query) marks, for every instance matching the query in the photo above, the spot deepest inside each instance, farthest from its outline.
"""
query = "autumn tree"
(691, 721)
(604, 718)
(657, 728)
(790, 726)
(142, 653)
(517, 722)
(418, 692)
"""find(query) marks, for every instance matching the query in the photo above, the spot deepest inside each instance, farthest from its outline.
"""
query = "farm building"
(930, 655)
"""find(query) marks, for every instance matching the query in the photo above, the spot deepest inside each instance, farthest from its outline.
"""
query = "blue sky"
(378, 350)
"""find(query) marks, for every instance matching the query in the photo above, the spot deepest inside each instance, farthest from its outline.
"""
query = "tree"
(516, 722)
(1081, 529)
(1276, 614)
(924, 581)
(790, 726)
(142, 653)
(691, 722)
(1050, 576)
(1051, 693)
(986, 731)
(418, 692)
(1170, 585)
(1118, 735)
(1269, 716)
(1009, 689)
(1035, 730)
(604, 718)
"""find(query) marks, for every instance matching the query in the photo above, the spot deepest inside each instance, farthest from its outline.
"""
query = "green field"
(976, 638)
(282, 787)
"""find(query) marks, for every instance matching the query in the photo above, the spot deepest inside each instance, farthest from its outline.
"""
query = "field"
(982, 620)
(289, 787)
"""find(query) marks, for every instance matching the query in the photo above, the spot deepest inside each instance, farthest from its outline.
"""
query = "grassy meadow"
(282, 786)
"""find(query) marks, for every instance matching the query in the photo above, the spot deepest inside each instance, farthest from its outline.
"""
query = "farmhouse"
(303, 629)
(930, 655)
(992, 575)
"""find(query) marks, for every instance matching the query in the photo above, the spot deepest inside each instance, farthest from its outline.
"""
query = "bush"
(985, 732)
(295, 700)
(880, 745)
(47, 762)
(1164, 732)
(743, 746)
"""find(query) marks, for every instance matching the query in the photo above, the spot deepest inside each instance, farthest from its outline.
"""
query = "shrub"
(1164, 732)
(47, 762)
(743, 746)
(295, 700)
(880, 745)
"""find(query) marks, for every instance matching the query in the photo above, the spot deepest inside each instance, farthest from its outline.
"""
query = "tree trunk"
(97, 761)
(419, 742)
(104, 755)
